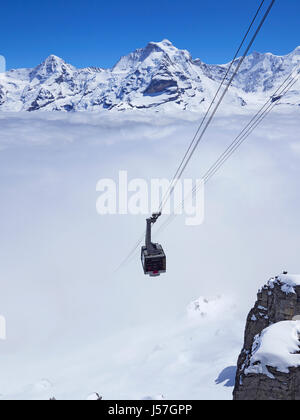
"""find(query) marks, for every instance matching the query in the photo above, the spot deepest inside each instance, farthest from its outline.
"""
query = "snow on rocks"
(41, 386)
(94, 397)
(159, 397)
(287, 282)
(268, 366)
(203, 307)
(156, 76)
(277, 346)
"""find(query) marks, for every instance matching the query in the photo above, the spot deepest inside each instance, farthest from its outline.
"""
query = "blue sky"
(97, 33)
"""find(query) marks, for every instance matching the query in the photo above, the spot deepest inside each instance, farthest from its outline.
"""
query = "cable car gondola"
(152, 255)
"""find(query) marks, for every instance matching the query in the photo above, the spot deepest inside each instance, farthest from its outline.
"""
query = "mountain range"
(158, 76)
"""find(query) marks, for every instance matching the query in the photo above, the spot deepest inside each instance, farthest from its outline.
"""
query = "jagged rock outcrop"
(269, 364)
(158, 76)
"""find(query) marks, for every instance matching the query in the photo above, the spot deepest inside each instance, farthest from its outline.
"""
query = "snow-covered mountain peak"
(286, 281)
(169, 48)
(164, 45)
(268, 365)
(210, 308)
(52, 65)
(174, 53)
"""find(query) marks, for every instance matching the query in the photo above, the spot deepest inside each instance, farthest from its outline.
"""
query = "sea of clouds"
(59, 288)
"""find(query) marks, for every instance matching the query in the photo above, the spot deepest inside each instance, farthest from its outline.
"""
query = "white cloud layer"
(57, 255)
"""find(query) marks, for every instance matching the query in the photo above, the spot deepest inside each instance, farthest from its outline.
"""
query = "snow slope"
(157, 76)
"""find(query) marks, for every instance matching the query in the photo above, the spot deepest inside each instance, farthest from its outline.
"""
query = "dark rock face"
(2, 95)
(158, 85)
(276, 302)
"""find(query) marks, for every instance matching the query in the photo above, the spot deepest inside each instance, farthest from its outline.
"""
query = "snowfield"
(76, 327)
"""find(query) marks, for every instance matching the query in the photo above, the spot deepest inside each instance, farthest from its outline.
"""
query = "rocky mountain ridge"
(158, 76)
